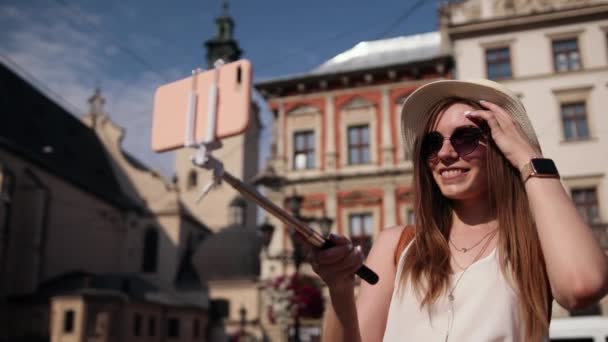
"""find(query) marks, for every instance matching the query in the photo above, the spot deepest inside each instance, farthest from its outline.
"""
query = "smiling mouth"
(453, 173)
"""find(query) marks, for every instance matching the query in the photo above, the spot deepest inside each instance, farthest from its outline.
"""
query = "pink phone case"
(171, 105)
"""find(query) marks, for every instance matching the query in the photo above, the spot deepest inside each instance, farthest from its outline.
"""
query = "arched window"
(150, 257)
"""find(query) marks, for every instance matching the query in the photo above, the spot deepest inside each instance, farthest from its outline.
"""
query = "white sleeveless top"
(485, 308)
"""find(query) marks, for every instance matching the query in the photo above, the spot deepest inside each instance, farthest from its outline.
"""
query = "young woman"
(497, 237)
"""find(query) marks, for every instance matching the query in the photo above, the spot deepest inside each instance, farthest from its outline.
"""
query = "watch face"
(544, 166)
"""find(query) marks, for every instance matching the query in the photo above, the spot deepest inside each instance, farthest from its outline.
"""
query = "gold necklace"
(451, 297)
(467, 249)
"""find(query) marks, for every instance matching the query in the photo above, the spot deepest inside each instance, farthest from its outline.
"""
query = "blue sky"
(128, 48)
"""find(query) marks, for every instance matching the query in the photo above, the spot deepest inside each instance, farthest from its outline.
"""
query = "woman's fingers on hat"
(486, 116)
(503, 117)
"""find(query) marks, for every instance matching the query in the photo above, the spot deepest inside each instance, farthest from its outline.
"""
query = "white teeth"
(451, 173)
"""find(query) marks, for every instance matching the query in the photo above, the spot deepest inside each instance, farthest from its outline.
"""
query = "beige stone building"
(554, 54)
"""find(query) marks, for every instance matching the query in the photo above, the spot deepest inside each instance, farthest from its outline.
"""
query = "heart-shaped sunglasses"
(464, 140)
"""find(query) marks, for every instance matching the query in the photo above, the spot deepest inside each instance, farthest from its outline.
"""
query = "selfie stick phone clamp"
(204, 159)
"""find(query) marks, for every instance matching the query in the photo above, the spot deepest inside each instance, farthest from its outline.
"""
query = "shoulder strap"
(407, 235)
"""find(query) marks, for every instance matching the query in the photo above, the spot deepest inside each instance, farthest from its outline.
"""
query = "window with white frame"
(304, 150)
(498, 63)
(358, 145)
(566, 55)
(361, 228)
(574, 120)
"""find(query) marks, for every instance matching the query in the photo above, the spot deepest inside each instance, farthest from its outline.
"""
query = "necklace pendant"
(464, 250)
(451, 297)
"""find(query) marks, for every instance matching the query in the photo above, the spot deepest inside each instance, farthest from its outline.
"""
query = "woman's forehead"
(453, 117)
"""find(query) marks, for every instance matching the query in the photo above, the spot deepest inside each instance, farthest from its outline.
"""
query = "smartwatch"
(539, 167)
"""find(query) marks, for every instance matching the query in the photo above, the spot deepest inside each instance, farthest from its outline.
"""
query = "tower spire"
(223, 45)
(96, 102)
(225, 6)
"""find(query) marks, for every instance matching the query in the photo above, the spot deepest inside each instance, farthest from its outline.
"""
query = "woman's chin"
(461, 192)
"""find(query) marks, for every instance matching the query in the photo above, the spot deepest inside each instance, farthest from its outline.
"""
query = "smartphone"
(187, 100)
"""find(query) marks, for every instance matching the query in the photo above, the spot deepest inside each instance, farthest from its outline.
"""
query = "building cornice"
(530, 21)
(555, 75)
(308, 84)
(341, 175)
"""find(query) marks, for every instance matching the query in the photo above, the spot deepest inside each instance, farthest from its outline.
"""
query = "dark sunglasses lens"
(465, 140)
(431, 145)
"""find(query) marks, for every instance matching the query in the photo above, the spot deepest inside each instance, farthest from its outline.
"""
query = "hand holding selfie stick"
(204, 159)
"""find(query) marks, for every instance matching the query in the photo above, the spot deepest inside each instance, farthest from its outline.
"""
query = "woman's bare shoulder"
(389, 237)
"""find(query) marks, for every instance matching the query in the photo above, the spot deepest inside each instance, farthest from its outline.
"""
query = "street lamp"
(266, 229)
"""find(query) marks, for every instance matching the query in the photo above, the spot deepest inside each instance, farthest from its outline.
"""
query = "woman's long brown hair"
(427, 263)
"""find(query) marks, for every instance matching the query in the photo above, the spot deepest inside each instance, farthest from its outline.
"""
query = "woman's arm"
(363, 319)
(576, 265)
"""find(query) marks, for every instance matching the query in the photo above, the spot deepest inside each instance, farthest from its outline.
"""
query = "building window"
(304, 150)
(196, 329)
(361, 230)
(498, 63)
(68, 321)
(566, 56)
(586, 202)
(358, 144)
(173, 327)
(150, 257)
(137, 324)
(151, 326)
(574, 120)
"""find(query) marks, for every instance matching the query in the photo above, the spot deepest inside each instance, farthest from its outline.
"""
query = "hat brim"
(417, 106)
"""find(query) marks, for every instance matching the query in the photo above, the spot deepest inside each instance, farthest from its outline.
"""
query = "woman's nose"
(447, 151)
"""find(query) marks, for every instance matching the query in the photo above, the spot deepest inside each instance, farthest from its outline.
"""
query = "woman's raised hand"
(506, 133)
(337, 265)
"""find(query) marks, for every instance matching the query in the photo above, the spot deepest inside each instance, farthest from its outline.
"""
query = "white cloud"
(70, 60)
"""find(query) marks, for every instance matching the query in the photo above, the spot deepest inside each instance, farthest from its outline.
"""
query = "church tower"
(223, 45)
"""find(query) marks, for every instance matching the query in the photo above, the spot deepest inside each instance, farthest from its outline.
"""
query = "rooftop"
(375, 54)
(384, 52)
